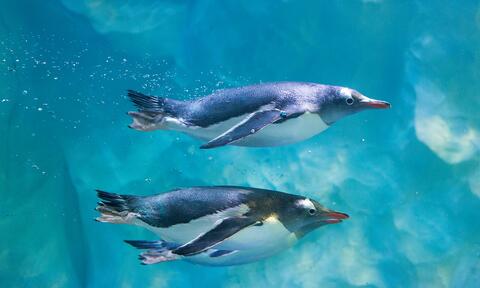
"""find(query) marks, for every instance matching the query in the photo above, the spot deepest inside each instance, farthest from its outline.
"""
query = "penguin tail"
(115, 208)
(146, 103)
(157, 251)
(151, 111)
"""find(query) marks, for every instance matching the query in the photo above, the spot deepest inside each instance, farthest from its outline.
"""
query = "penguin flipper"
(252, 124)
(225, 229)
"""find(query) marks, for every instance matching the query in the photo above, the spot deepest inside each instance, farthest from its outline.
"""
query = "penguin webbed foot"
(153, 257)
(157, 251)
(144, 121)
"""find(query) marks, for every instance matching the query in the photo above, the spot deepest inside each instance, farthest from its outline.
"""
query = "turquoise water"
(408, 177)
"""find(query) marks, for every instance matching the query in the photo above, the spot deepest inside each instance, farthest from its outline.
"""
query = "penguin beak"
(333, 217)
(375, 104)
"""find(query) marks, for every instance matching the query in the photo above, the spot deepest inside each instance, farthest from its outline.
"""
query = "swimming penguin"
(217, 225)
(269, 114)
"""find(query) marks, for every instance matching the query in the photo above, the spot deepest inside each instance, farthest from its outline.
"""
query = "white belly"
(252, 244)
(290, 131)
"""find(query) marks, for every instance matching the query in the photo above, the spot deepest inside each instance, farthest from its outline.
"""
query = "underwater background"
(409, 177)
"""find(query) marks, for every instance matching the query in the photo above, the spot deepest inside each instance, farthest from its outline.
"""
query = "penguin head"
(341, 101)
(311, 215)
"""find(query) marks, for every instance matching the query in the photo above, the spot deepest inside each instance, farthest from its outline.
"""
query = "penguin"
(270, 114)
(216, 225)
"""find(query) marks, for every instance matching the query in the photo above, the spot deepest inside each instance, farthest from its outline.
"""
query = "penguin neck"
(300, 233)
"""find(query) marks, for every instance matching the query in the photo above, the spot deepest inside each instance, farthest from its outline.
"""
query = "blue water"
(408, 177)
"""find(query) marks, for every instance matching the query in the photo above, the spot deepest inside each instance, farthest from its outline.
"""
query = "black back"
(229, 103)
(184, 205)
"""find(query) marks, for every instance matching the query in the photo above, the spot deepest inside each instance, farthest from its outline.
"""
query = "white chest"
(270, 235)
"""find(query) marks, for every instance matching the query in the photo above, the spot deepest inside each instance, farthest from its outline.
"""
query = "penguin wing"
(226, 228)
(250, 125)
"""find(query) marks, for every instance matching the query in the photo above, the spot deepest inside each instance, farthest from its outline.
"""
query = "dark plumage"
(252, 115)
(208, 224)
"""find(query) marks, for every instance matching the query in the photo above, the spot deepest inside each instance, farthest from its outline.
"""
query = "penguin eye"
(312, 211)
(349, 101)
